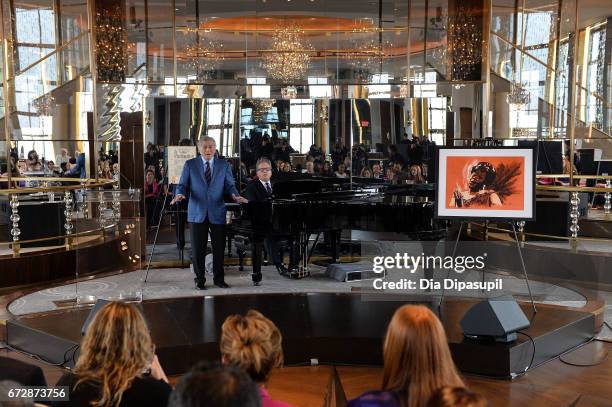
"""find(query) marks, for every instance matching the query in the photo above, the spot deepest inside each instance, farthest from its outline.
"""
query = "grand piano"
(303, 206)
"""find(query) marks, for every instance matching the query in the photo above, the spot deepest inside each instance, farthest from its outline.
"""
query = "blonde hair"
(116, 349)
(252, 342)
(417, 360)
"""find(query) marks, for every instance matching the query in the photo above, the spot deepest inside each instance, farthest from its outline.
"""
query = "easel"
(520, 253)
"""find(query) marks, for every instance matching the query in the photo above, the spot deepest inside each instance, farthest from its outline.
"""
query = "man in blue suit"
(206, 180)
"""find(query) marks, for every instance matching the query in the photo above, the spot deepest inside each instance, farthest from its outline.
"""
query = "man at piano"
(259, 195)
(206, 180)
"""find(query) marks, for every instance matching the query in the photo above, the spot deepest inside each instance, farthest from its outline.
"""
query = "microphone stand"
(161, 215)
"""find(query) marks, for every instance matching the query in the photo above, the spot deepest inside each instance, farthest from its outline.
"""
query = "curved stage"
(331, 328)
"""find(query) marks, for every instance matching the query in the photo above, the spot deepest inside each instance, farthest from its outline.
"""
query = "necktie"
(268, 188)
(207, 173)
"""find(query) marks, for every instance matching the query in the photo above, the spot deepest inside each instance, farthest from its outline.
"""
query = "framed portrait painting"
(486, 183)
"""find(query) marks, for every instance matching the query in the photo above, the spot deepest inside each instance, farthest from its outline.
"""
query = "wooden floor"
(552, 384)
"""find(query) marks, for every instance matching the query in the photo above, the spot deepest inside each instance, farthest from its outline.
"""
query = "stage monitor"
(494, 318)
(496, 183)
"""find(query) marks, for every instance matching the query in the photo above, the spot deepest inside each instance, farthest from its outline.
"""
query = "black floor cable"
(532, 354)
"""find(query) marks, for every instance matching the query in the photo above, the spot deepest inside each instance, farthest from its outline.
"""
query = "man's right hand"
(177, 198)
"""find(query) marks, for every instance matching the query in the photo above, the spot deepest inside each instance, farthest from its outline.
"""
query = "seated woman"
(117, 366)
(416, 360)
(327, 169)
(151, 191)
(253, 343)
(416, 175)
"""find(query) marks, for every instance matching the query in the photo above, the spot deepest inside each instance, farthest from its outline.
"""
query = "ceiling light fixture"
(289, 57)
(203, 54)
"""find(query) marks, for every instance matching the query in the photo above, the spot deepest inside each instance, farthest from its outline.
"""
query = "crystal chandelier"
(465, 44)
(203, 54)
(260, 108)
(111, 46)
(289, 57)
(518, 97)
(368, 58)
(437, 33)
(44, 104)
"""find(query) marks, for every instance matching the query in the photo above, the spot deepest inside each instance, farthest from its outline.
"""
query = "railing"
(73, 212)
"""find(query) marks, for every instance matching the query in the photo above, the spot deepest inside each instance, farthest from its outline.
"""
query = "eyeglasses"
(264, 169)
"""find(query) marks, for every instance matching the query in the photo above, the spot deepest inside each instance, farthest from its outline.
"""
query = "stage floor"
(330, 328)
(166, 283)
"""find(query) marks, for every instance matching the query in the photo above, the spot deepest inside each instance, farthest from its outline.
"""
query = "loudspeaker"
(498, 318)
(97, 307)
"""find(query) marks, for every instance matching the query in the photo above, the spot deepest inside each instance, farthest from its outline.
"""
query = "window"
(437, 119)
(595, 73)
(219, 123)
(301, 135)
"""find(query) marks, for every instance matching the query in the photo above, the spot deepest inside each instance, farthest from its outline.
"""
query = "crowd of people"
(62, 165)
(118, 366)
(406, 166)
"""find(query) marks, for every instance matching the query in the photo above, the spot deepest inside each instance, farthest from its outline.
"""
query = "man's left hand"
(239, 199)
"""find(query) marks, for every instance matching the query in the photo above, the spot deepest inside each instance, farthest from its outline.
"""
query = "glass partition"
(104, 223)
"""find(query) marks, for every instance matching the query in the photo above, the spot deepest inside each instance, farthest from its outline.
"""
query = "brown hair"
(417, 360)
(252, 342)
(456, 397)
(116, 349)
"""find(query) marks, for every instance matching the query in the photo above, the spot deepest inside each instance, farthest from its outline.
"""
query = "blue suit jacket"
(206, 200)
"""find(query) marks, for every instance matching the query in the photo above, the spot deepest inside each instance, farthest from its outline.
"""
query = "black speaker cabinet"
(497, 318)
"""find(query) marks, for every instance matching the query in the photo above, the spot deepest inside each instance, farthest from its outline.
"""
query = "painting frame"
(528, 186)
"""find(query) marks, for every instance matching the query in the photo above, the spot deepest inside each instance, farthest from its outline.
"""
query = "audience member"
(79, 168)
(309, 168)
(456, 397)
(327, 169)
(117, 365)
(151, 156)
(318, 167)
(253, 343)
(151, 191)
(52, 170)
(62, 157)
(215, 386)
(394, 155)
(366, 172)
(33, 163)
(315, 152)
(341, 173)
(416, 175)
(377, 171)
(338, 154)
(416, 358)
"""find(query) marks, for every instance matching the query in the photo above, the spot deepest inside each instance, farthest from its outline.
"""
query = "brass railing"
(69, 235)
